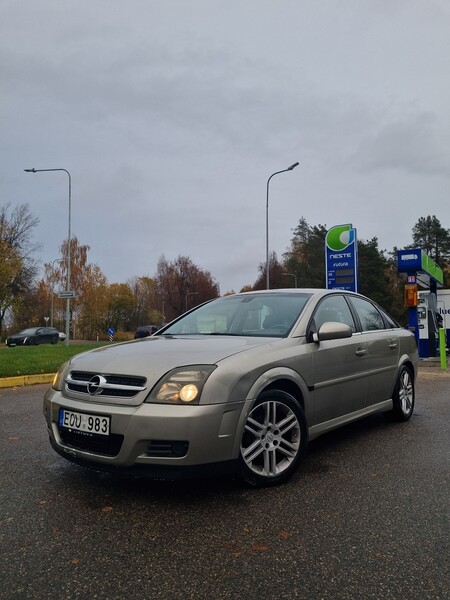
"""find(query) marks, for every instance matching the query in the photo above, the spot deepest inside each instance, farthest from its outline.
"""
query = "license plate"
(84, 422)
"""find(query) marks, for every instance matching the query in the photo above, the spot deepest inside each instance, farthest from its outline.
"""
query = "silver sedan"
(239, 384)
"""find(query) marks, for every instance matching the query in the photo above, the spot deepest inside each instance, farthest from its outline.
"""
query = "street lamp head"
(30, 170)
(293, 166)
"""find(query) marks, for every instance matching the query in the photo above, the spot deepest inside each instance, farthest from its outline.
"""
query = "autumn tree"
(121, 305)
(182, 284)
(93, 307)
(148, 309)
(89, 308)
(78, 264)
(34, 308)
(17, 264)
(276, 278)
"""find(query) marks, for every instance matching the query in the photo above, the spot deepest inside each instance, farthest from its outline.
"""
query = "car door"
(340, 366)
(382, 350)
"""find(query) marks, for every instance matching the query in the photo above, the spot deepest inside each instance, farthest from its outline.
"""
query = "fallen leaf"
(284, 535)
(260, 548)
(107, 509)
(75, 561)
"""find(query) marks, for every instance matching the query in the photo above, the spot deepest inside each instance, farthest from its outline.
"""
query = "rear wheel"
(274, 440)
(404, 396)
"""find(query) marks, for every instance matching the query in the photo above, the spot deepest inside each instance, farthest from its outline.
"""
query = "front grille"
(106, 445)
(167, 448)
(94, 384)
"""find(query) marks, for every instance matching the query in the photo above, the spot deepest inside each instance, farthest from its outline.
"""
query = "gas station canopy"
(416, 262)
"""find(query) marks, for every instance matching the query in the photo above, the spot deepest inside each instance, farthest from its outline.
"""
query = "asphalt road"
(365, 517)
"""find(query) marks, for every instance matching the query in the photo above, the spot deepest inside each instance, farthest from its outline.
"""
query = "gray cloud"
(171, 116)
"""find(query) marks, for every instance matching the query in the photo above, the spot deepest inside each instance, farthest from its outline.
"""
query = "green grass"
(32, 360)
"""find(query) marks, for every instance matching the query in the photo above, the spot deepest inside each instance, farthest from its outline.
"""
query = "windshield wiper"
(220, 333)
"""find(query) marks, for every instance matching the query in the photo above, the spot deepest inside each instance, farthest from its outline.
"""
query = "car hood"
(152, 357)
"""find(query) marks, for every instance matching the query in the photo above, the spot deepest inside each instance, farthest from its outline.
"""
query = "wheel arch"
(403, 406)
(280, 378)
(408, 364)
(283, 379)
(404, 362)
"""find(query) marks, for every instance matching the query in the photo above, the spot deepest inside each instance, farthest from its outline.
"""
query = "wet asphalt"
(367, 516)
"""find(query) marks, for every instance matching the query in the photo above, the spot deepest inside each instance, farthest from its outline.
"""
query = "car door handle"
(361, 352)
(393, 345)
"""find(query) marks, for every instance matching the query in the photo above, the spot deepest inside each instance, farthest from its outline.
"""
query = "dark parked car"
(34, 336)
(145, 331)
(240, 383)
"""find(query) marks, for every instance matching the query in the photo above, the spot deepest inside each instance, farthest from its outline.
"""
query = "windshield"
(264, 315)
(28, 331)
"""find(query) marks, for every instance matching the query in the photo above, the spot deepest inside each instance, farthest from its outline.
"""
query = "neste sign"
(341, 258)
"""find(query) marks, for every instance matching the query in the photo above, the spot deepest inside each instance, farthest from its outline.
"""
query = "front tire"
(404, 396)
(274, 440)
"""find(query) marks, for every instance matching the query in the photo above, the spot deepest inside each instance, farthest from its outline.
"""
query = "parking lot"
(366, 516)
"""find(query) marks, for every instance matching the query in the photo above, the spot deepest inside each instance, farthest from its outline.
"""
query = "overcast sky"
(171, 115)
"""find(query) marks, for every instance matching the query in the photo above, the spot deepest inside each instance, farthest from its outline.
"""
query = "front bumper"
(160, 437)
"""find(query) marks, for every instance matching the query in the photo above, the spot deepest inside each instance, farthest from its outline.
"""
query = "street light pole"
(53, 285)
(267, 219)
(66, 341)
(292, 275)
(187, 296)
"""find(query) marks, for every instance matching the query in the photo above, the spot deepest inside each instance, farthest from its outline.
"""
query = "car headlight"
(183, 385)
(58, 379)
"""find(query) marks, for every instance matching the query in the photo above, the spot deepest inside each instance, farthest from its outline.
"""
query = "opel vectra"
(240, 383)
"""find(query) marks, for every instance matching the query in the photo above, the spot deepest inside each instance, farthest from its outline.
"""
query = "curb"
(8, 382)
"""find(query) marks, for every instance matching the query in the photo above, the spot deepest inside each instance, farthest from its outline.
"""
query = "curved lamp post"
(66, 341)
(267, 219)
(187, 296)
(292, 275)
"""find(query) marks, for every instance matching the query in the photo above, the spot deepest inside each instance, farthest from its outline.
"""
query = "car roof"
(312, 291)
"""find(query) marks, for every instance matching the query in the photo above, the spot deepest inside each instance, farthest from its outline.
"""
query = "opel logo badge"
(95, 385)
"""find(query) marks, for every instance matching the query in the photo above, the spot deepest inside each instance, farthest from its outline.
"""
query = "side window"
(334, 308)
(368, 314)
(391, 323)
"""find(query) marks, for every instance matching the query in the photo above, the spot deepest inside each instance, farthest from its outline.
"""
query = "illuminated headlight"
(58, 379)
(182, 386)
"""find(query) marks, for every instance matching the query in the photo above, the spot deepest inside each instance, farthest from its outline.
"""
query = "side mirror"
(332, 330)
